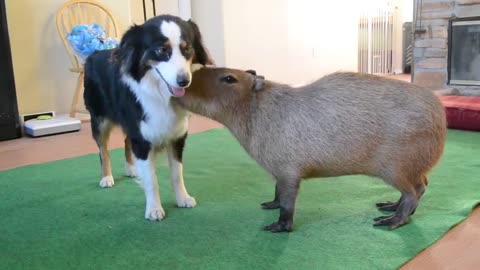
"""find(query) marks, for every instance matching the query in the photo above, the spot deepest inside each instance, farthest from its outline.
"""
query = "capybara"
(341, 124)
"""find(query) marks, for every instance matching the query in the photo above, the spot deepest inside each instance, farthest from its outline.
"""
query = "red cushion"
(462, 112)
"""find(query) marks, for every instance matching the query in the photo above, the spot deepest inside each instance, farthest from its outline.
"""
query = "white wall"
(256, 36)
(185, 9)
(323, 37)
(166, 7)
(290, 41)
(208, 14)
(407, 11)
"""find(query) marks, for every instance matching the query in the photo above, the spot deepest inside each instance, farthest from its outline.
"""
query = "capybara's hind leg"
(406, 207)
(392, 206)
(273, 204)
(287, 195)
(402, 215)
(420, 190)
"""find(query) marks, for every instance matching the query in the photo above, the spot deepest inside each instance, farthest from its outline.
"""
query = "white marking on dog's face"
(177, 65)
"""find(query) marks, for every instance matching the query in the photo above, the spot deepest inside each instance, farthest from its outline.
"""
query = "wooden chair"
(76, 12)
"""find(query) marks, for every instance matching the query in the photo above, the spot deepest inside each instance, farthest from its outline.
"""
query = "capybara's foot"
(388, 206)
(270, 205)
(394, 220)
(280, 226)
(405, 208)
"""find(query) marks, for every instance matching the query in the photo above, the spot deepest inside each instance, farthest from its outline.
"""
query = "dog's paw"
(107, 182)
(130, 170)
(156, 213)
(186, 202)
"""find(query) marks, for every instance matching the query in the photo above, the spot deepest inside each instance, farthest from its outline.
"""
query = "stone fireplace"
(447, 44)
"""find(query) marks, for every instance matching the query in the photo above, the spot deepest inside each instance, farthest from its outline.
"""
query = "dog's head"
(163, 48)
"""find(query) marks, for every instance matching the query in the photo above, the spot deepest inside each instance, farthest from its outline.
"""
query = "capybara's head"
(218, 91)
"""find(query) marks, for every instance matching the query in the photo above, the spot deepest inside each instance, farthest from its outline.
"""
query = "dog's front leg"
(145, 164)
(175, 155)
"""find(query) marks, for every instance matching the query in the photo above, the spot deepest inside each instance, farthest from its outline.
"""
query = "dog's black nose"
(183, 80)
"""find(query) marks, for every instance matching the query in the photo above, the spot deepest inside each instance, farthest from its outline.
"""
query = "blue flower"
(86, 39)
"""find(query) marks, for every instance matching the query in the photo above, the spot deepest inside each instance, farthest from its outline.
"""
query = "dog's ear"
(130, 45)
(202, 55)
(258, 83)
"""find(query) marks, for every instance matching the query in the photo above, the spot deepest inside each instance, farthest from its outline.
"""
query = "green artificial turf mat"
(55, 216)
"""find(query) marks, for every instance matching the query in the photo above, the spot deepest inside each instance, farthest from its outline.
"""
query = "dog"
(132, 86)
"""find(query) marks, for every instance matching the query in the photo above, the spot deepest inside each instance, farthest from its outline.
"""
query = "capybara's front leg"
(287, 191)
(273, 204)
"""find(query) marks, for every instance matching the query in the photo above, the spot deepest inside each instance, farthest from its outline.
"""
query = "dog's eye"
(161, 51)
(229, 79)
(188, 49)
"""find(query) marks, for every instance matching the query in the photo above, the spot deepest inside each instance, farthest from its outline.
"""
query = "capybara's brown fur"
(341, 124)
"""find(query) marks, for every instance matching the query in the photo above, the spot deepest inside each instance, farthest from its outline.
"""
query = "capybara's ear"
(251, 71)
(258, 83)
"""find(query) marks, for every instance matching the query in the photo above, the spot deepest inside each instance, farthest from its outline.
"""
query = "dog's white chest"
(162, 123)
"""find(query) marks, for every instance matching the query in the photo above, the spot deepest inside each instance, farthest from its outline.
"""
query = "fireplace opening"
(464, 51)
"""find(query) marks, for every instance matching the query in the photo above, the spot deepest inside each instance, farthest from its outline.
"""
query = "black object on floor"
(9, 118)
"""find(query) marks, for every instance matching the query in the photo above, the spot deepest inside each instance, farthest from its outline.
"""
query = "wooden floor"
(25, 151)
(458, 249)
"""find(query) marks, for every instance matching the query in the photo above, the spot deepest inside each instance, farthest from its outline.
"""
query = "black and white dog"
(132, 87)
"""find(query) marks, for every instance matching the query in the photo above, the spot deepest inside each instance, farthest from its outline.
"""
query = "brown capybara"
(341, 124)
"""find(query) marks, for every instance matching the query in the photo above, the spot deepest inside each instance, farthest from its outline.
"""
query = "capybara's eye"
(229, 79)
